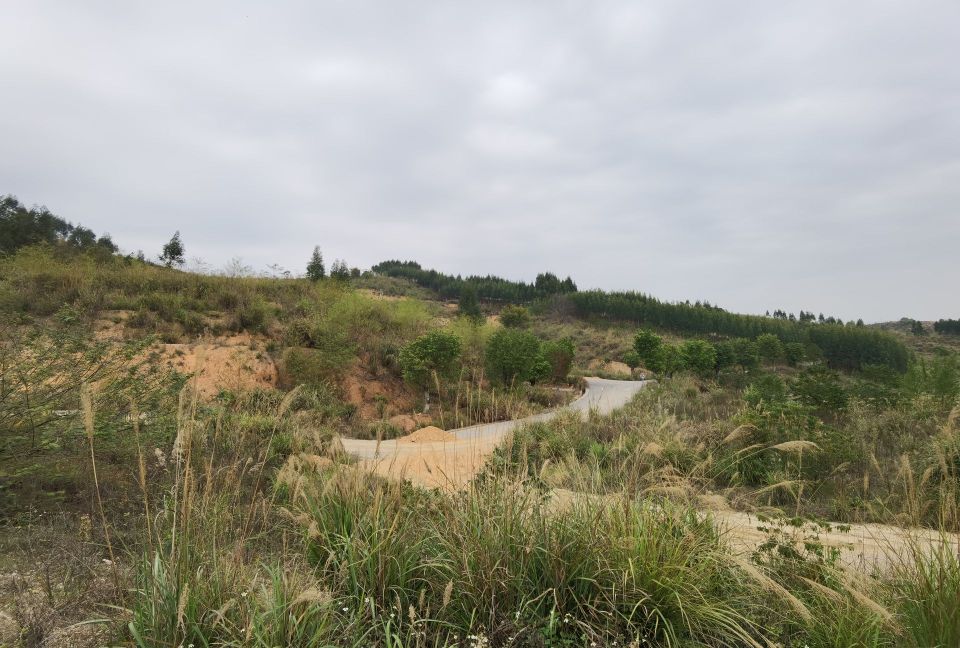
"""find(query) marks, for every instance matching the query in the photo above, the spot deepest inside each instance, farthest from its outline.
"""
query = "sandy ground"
(867, 548)
(236, 363)
(451, 464)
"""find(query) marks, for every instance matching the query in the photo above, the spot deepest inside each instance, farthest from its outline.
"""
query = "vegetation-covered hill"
(223, 512)
(843, 347)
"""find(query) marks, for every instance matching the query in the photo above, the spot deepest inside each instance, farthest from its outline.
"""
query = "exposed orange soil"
(426, 435)
(235, 363)
(362, 389)
(448, 465)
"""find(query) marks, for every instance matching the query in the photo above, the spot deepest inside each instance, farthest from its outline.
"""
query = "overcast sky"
(803, 155)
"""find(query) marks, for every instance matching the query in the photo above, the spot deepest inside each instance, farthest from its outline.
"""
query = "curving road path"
(451, 464)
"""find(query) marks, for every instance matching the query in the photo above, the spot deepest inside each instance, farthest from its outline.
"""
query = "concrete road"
(601, 395)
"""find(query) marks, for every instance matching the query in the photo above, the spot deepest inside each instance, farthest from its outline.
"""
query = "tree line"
(849, 347)
(487, 288)
(947, 326)
(21, 226)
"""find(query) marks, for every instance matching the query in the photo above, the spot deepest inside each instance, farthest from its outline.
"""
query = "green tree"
(513, 356)
(699, 356)
(515, 317)
(173, 251)
(436, 351)
(632, 359)
(315, 268)
(469, 305)
(746, 353)
(559, 354)
(794, 352)
(548, 283)
(726, 355)
(668, 360)
(339, 270)
(770, 347)
(647, 344)
(820, 388)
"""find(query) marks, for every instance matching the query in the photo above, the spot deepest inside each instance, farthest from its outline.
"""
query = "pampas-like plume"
(795, 446)
(739, 433)
(773, 587)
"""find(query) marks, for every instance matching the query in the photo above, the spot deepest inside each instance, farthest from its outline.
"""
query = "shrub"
(794, 352)
(820, 388)
(746, 352)
(251, 315)
(560, 356)
(767, 388)
(437, 351)
(514, 355)
(647, 345)
(770, 347)
(469, 305)
(699, 356)
(191, 321)
(632, 359)
(311, 367)
(515, 317)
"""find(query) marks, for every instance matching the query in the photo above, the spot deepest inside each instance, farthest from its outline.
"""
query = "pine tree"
(469, 303)
(339, 270)
(315, 268)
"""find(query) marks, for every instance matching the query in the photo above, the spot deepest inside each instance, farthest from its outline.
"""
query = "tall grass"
(251, 548)
(681, 439)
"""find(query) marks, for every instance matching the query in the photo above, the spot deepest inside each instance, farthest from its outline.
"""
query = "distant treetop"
(21, 226)
(947, 326)
(488, 288)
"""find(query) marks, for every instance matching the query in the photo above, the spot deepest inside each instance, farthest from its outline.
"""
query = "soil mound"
(427, 435)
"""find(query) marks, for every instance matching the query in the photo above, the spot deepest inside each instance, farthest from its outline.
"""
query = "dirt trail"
(451, 464)
(865, 548)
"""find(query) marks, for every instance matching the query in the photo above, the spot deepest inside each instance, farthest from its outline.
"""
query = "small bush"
(515, 317)
(559, 354)
(252, 315)
(515, 356)
(310, 367)
(699, 356)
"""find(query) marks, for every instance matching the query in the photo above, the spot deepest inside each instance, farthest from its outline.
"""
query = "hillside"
(189, 437)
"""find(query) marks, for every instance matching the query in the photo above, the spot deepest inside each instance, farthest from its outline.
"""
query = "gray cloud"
(755, 154)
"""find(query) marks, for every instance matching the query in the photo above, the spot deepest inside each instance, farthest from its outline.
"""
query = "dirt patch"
(379, 295)
(236, 363)
(445, 465)
(376, 396)
(427, 435)
(111, 325)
